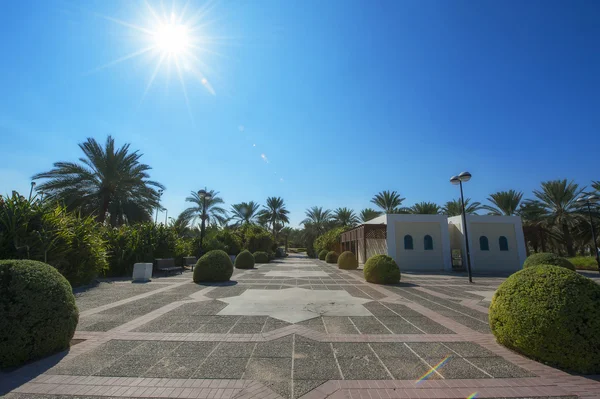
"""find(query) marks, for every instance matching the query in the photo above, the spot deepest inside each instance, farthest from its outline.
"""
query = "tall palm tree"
(388, 201)
(454, 207)
(212, 212)
(368, 214)
(345, 217)
(504, 203)
(275, 212)
(534, 225)
(317, 218)
(425, 208)
(245, 212)
(557, 198)
(108, 182)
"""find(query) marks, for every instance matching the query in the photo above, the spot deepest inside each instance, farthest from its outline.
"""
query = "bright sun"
(172, 39)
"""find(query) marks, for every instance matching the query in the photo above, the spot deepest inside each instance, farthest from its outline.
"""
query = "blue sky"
(344, 98)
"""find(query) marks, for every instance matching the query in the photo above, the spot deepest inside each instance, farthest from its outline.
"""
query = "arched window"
(428, 243)
(503, 243)
(408, 243)
(484, 245)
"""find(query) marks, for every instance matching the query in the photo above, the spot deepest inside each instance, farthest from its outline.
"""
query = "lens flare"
(434, 369)
(473, 395)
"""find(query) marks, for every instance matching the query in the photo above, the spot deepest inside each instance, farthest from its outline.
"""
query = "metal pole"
(594, 235)
(166, 214)
(464, 218)
(156, 217)
(203, 220)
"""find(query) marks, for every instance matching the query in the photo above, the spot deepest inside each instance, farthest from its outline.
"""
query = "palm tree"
(368, 214)
(454, 207)
(504, 203)
(345, 217)
(425, 208)
(557, 198)
(317, 218)
(245, 212)
(534, 227)
(209, 213)
(388, 201)
(274, 212)
(108, 182)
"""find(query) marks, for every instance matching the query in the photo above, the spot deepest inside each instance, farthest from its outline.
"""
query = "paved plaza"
(294, 328)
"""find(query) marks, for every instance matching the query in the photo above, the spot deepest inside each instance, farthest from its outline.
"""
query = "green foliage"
(222, 239)
(213, 266)
(323, 254)
(381, 269)
(329, 240)
(256, 238)
(550, 314)
(331, 257)
(545, 258)
(37, 310)
(347, 261)
(584, 263)
(244, 260)
(261, 257)
(47, 232)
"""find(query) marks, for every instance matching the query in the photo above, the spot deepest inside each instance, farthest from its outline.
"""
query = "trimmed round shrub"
(381, 269)
(215, 265)
(37, 311)
(244, 260)
(546, 258)
(549, 314)
(261, 257)
(331, 257)
(347, 260)
(323, 254)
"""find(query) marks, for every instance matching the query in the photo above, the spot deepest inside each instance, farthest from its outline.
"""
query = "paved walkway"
(296, 328)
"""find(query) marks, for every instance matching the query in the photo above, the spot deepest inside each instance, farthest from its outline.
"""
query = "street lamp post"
(31, 190)
(160, 193)
(205, 195)
(166, 214)
(464, 177)
(588, 201)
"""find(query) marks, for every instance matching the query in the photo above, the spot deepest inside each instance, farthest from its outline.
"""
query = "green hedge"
(261, 257)
(244, 260)
(347, 260)
(213, 266)
(545, 258)
(550, 314)
(584, 263)
(381, 269)
(37, 312)
(330, 240)
(331, 257)
(323, 254)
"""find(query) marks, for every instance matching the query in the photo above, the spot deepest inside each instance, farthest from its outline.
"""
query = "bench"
(190, 261)
(167, 266)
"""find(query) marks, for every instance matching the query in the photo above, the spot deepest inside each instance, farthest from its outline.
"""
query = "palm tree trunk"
(102, 216)
(542, 240)
(568, 240)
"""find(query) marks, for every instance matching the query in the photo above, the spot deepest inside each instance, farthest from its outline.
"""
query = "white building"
(426, 242)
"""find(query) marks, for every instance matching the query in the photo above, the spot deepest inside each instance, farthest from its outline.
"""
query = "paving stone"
(469, 349)
(128, 366)
(221, 367)
(339, 325)
(428, 325)
(430, 349)
(283, 388)
(379, 310)
(281, 347)
(351, 349)
(102, 326)
(315, 324)
(302, 387)
(234, 349)
(274, 324)
(155, 348)
(84, 364)
(194, 349)
(215, 328)
(405, 369)
(473, 324)
(269, 369)
(393, 349)
(456, 368)
(182, 328)
(252, 320)
(369, 325)
(310, 368)
(246, 328)
(208, 307)
(174, 367)
(500, 368)
(399, 326)
(307, 348)
(115, 347)
(363, 368)
(402, 310)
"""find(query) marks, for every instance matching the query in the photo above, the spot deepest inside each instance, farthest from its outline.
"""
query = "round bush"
(550, 314)
(347, 260)
(323, 254)
(37, 311)
(381, 269)
(261, 257)
(331, 257)
(545, 258)
(215, 265)
(244, 260)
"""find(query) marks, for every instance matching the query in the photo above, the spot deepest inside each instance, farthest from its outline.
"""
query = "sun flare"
(172, 38)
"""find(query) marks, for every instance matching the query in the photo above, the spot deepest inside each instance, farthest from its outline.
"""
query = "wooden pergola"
(355, 240)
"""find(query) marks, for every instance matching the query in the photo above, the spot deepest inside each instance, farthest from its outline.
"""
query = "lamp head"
(32, 184)
(464, 177)
(454, 180)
